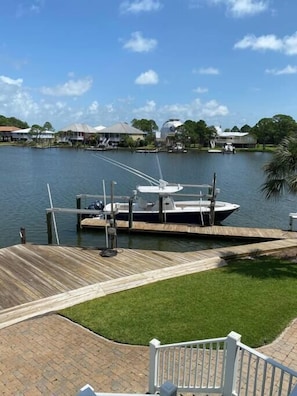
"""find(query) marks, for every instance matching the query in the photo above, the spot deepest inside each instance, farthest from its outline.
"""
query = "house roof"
(232, 134)
(123, 128)
(8, 128)
(79, 128)
(99, 127)
(25, 130)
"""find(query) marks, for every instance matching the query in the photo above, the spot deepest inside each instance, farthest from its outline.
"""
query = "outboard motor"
(98, 205)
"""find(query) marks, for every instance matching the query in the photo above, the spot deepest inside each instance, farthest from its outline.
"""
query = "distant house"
(25, 135)
(21, 135)
(81, 133)
(115, 133)
(5, 133)
(76, 133)
(238, 139)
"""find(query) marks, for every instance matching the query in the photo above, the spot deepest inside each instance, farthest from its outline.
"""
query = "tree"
(12, 121)
(36, 131)
(263, 131)
(145, 125)
(281, 171)
(245, 128)
(284, 126)
(47, 126)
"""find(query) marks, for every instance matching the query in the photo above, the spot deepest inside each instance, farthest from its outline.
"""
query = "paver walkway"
(50, 356)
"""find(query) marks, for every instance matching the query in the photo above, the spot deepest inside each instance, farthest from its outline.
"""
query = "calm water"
(25, 172)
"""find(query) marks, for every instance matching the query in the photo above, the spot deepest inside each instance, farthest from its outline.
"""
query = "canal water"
(26, 172)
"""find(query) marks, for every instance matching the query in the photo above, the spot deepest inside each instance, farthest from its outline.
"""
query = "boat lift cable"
(54, 218)
(134, 171)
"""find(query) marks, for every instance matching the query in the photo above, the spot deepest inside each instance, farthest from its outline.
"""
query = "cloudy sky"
(228, 62)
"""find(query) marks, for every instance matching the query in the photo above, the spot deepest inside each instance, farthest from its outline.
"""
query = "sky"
(99, 62)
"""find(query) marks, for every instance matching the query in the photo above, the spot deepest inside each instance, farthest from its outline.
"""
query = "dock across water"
(214, 231)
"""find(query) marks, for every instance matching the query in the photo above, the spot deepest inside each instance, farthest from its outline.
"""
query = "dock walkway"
(216, 231)
(37, 279)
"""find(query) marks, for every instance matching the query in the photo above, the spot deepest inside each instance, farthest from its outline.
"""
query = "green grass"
(256, 298)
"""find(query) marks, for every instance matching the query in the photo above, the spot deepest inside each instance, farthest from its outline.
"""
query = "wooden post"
(78, 206)
(212, 202)
(130, 213)
(23, 235)
(161, 214)
(49, 228)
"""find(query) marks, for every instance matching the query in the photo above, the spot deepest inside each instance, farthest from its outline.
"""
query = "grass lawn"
(256, 298)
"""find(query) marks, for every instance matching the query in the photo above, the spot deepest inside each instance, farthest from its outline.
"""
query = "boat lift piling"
(212, 202)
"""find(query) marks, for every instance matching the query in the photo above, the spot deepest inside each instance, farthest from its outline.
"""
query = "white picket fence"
(221, 366)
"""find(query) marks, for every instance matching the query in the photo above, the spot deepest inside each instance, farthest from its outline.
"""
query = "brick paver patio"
(50, 356)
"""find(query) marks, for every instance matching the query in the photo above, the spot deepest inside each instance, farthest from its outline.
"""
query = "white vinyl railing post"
(231, 364)
(154, 343)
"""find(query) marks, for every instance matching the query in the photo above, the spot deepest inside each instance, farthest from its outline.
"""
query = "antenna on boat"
(134, 171)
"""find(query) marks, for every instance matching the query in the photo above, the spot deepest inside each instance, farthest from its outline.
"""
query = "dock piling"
(49, 228)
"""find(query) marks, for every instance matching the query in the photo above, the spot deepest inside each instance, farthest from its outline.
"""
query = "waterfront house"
(117, 132)
(5, 133)
(238, 139)
(76, 133)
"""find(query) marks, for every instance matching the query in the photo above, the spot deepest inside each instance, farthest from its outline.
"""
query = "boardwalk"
(36, 279)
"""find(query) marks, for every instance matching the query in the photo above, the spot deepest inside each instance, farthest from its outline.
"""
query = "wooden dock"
(37, 279)
(215, 231)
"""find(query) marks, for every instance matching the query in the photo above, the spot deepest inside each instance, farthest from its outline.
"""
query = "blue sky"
(228, 62)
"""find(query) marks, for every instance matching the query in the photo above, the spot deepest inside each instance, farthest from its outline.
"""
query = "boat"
(156, 202)
(229, 148)
(147, 151)
(215, 151)
(177, 148)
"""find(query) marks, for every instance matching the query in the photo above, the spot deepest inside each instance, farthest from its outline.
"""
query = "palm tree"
(281, 172)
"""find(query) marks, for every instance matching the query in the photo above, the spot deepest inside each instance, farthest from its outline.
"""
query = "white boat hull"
(187, 212)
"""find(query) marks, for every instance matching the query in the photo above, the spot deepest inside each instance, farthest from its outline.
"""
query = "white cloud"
(200, 90)
(286, 70)
(149, 77)
(14, 100)
(138, 6)
(94, 107)
(194, 110)
(149, 108)
(237, 8)
(207, 70)
(70, 88)
(213, 109)
(286, 45)
(138, 43)
(33, 7)
(9, 81)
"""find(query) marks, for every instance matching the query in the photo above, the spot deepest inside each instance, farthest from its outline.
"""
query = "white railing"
(222, 366)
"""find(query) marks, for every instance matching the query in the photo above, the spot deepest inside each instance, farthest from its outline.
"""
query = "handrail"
(220, 365)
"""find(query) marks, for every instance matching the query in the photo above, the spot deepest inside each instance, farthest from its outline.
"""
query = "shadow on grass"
(263, 267)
